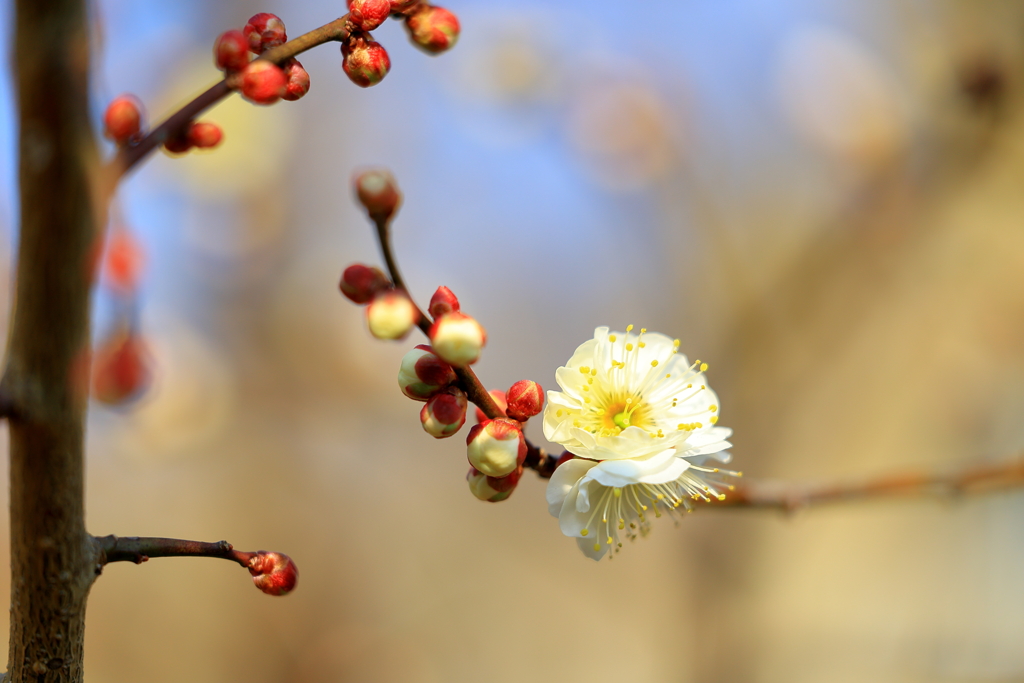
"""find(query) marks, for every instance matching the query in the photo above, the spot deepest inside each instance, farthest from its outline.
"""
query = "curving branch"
(971, 480)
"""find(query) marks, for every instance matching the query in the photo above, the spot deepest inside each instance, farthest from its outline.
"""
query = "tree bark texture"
(53, 559)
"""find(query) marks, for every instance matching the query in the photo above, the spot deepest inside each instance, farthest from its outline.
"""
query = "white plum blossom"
(640, 419)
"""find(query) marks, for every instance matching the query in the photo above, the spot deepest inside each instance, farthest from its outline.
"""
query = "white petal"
(563, 479)
(658, 469)
(570, 520)
(586, 545)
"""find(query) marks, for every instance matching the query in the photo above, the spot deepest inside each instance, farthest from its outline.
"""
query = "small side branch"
(977, 479)
(139, 549)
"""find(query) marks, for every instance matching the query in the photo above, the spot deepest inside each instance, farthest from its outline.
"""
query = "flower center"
(630, 412)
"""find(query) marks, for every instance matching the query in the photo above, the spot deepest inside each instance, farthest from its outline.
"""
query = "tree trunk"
(53, 559)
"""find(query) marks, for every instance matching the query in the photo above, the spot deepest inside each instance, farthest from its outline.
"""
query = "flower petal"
(658, 469)
(587, 545)
(563, 479)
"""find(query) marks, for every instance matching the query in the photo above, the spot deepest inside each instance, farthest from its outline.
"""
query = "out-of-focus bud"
(443, 301)
(423, 374)
(178, 143)
(525, 399)
(121, 369)
(566, 456)
(433, 29)
(496, 447)
(122, 263)
(499, 398)
(403, 6)
(263, 82)
(264, 31)
(368, 14)
(391, 314)
(205, 135)
(365, 62)
(457, 338)
(231, 51)
(123, 119)
(445, 413)
(273, 573)
(378, 193)
(298, 80)
(491, 489)
(359, 283)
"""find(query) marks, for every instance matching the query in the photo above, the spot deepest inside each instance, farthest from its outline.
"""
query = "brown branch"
(128, 157)
(139, 549)
(975, 479)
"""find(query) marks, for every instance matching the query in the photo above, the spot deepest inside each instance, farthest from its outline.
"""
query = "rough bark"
(53, 560)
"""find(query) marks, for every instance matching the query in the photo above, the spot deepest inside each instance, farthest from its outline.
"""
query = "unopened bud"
(231, 51)
(123, 261)
(457, 338)
(365, 62)
(360, 283)
(525, 399)
(565, 457)
(391, 314)
(178, 143)
(499, 399)
(423, 374)
(378, 193)
(403, 6)
(298, 80)
(496, 447)
(491, 489)
(123, 119)
(205, 135)
(433, 29)
(368, 14)
(121, 369)
(443, 301)
(273, 573)
(263, 82)
(264, 31)
(445, 413)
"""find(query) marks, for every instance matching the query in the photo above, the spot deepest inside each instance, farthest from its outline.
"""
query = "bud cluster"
(123, 123)
(260, 81)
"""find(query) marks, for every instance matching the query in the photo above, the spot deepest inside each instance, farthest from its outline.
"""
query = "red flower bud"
(423, 374)
(445, 413)
(525, 399)
(178, 143)
(566, 456)
(457, 338)
(391, 314)
(499, 397)
(122, 265)
(404, 6)
(121, 369)
(231, 51)
(483, 487)
(432, 29)
(368, 14)
(359, 283)
(298, 80)
(205, 135)
(442, 302)
(365, 62)
(496, 447)
(264, 31)
(378, 193)
(263, 82)
(273, 573)
(123, 119)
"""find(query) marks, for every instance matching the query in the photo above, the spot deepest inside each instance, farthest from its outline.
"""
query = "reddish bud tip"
(525, 399)
(391, 314)
(433, 29)
(566, 456)
(378, 193)
(404, 6)
(264, 31)
(121, 369)
(423, 374)
(499, 398)
(205, 135)
(443, 301)
(263, 82)
(445, 413)
(359, 283)
(273, 573)
(490, 489)
(298, 80)
(123, 119)
(457, 338)
(122, 264)
(231, 51)
(507, 483)
(365, 62)
(368, 14)
(496, 447)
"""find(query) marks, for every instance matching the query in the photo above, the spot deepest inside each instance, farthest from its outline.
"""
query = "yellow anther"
(610, 540)
(584, 532)
(590, 380)
(622, 524)
(575, 423)
(699, 425)
(629, 347)
(712, 408)
(586, 399)
(714, 419)
(586, 387)
(643, 330)
(661, 496)
(642, 345)
(594, 372)
(629, 328)
(558, 413)
(689, 386)
(617, 492)
(703, 387)
(681, 426)
(654, 363)
(612, 338)
(676, 342)
(597, 547)
(721, 496)
(584, 369)
(703, 367)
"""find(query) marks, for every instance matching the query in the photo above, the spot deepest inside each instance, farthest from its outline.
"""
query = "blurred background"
(821, 199)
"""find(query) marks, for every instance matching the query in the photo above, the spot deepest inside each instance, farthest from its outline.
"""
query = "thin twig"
(974, 479)
(139, 549)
